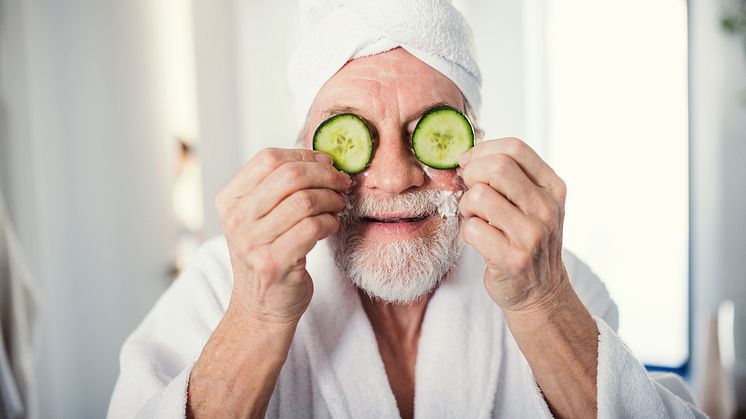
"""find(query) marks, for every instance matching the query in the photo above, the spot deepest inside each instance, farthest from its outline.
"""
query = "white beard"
(400, 271)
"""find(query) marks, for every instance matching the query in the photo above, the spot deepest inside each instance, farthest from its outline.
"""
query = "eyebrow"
(340, 109)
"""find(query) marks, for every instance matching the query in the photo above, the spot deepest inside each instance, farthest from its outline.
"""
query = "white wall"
(90, 170)
(718, 148)
(267, 111)
(218, 101)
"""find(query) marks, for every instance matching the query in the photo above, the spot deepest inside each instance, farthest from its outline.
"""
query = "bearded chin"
(400, 271)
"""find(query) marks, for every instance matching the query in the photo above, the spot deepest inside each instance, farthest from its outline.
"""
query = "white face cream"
(447, 200)
(448, 205)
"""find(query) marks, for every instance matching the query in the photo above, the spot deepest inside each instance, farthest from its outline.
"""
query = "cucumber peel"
(441, 136)
(347, 140)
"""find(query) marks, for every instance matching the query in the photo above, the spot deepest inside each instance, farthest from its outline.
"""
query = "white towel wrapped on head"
(336, 31)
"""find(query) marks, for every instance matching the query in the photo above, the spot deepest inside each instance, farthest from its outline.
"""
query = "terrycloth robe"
(468, 364)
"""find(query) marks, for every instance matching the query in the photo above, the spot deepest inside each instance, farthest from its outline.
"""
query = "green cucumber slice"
(347, 139)
(441, 136)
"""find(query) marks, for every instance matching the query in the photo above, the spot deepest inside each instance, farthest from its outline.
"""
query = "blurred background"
(121, 120)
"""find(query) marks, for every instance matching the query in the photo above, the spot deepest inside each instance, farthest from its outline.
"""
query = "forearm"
(238, 368)
(561, 346)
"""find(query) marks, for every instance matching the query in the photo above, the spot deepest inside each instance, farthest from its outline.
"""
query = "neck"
(398, 322)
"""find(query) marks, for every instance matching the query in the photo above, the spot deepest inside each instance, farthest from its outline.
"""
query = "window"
(617, 132)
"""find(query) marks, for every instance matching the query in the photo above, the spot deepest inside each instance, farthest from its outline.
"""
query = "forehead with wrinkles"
(391, 88)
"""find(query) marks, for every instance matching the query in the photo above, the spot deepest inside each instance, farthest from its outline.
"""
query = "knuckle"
(546, 213)
(244, 250)
(270, 156)
(520, 261)
(515, 146)
(256, 234)
(249, 249)
(265, 265)
(468, 175)
(327, 223)
(304, 201)
(335, 177)
(500, 165)
(292, 172)
(313, 226)
(535, 234)
(339, 200)
(231, 221)
(471, 227)
(331, 173)
(481, 192)
(561, 188)
(334, 222)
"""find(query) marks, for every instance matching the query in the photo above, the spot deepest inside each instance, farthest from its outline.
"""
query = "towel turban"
(337, 31)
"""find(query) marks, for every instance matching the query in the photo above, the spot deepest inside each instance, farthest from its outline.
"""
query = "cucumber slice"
(441, 136)
(346, 138)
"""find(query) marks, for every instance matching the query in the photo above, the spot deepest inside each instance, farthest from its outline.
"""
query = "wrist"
(565, 320)
(560, 343)
(278, 309)
(552, 304)
(253, 319)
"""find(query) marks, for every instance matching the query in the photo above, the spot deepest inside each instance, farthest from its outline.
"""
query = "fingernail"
(464, 159)
(323, 158)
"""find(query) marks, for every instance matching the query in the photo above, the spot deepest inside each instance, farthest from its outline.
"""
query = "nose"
(394, 168)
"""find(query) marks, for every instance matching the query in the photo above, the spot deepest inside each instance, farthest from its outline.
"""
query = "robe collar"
(459, 350)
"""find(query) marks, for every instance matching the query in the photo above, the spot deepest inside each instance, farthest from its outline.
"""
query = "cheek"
(444, 179)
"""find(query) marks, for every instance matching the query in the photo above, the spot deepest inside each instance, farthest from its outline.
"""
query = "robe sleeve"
(157, 358)
(624, 387)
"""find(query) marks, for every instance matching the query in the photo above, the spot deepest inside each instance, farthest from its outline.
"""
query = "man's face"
(400, 236)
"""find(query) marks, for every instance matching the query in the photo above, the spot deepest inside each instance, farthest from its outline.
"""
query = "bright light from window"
(617, 133)
(178, 81)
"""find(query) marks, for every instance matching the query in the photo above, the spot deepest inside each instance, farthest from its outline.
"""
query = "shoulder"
(591, 289)
(202, 289)
(209, 270)
(213, 255)
(158, 354)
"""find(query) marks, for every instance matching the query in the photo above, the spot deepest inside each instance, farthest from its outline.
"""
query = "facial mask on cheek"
(448, 205)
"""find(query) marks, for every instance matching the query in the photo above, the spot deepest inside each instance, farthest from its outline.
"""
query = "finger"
(537, 170)
(292, 177)
(502, 173)
(489, 241)
(299, 205)
(486, 203)
(295, 244)
(264, 163)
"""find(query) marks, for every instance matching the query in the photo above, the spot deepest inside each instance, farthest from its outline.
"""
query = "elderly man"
(343, 296)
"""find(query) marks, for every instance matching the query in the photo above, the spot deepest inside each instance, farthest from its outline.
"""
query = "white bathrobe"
(468, 364)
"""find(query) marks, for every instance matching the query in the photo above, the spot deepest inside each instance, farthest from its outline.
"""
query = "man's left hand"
(513, 214)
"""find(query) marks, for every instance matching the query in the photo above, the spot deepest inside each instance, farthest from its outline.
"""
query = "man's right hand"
(272, 213)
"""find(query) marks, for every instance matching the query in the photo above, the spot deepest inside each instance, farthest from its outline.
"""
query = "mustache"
(412, 204)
